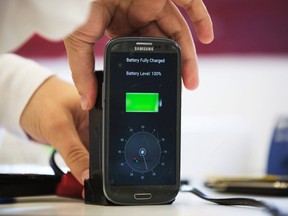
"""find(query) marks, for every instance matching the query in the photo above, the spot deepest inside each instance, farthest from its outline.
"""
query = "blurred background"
(228, 122)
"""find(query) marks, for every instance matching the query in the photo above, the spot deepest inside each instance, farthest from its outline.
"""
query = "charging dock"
(94, 185)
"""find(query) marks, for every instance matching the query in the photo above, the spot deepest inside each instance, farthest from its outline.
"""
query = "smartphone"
(266, 185)
(141, 123)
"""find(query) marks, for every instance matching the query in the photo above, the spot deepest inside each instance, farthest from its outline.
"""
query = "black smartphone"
(141, 123)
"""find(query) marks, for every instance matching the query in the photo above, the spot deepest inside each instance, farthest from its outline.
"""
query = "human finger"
(200, 17)
(141, 13)
(80, 51)
(82, 67)
(71, 148)
(152, 30)
(173, 24)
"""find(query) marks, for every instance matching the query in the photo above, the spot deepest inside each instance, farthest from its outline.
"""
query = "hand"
(54, 116)
(116, 18)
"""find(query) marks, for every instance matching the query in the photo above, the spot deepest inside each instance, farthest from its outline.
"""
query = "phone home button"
(142, 196)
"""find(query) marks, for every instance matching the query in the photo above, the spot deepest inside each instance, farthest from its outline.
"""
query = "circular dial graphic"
(142, 152)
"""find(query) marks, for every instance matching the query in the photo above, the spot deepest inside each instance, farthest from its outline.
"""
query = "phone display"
(142, 87)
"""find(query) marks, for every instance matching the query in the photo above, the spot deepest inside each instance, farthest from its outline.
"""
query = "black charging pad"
(94, 185)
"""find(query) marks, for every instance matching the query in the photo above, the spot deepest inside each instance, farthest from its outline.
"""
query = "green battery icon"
(142, 102)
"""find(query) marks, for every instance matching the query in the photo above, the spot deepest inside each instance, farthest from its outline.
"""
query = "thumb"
(81, 60)
(73, 152)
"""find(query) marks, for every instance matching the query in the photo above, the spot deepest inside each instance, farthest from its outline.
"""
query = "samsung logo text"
(138, 48)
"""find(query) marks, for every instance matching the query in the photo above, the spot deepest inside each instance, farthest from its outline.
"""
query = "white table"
(185, 204)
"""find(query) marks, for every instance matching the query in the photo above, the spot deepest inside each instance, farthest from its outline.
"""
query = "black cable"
(54, 166)
(238, 201)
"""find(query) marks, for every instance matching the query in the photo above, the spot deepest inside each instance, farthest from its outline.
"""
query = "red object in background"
(37, 46)
(241, 26)
(248, 26)
(69, 187)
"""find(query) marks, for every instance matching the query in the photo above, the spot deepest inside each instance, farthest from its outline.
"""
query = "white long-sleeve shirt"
(19, 79)
(19, 20)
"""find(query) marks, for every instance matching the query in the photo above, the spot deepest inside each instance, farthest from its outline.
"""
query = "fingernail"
(84, 102)
(83, 194)
(84, 175)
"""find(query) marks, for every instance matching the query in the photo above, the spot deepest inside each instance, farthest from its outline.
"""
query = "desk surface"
(185, 204)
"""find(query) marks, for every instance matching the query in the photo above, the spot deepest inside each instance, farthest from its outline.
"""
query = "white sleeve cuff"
(19, 79)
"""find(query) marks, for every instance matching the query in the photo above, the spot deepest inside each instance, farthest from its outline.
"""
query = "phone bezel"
(124, 195)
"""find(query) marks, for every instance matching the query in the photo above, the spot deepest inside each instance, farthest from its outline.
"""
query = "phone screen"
(144, 109)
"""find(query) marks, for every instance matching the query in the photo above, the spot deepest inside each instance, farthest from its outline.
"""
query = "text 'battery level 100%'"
(142, 152)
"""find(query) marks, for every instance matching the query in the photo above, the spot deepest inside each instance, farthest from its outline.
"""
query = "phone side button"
(142, 196)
